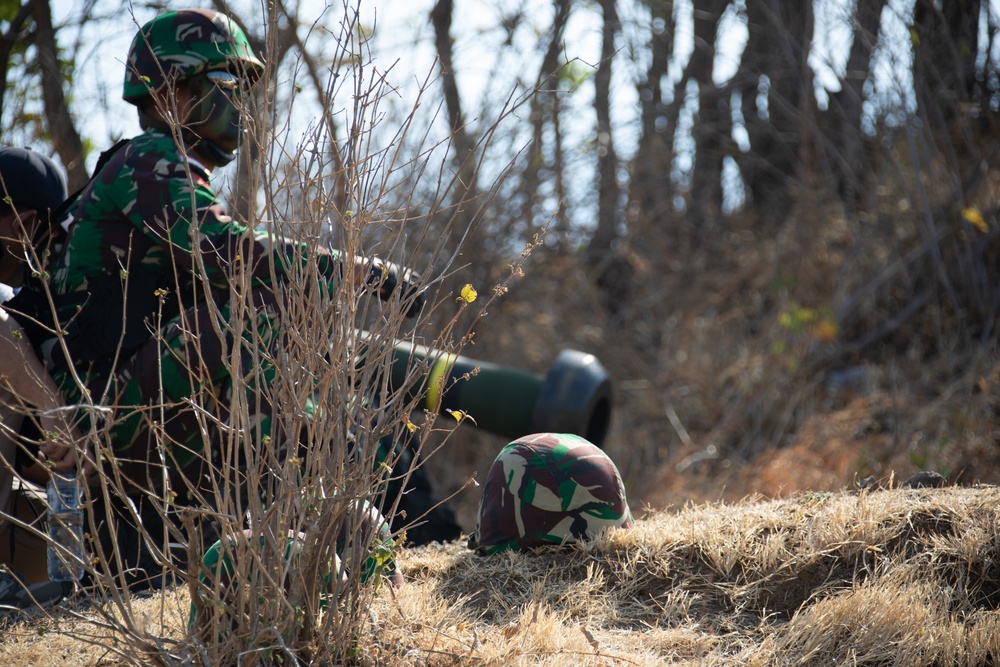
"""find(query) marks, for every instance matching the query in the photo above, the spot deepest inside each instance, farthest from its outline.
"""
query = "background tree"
(31, 53)
(730, 237)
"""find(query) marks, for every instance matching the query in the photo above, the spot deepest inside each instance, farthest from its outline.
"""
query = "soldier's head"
(193, 66)
(549, 488)
(31, 188)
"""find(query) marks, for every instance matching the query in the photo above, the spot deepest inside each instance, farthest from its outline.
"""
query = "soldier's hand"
(65, 453)
(391, 279)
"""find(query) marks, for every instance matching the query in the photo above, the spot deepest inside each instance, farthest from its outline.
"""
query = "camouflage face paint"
(216, 114)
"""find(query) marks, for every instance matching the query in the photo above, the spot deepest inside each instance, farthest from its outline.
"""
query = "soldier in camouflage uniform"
(150, 227)
(32, 190)
(37, 435)
(151, 244)
(547, 489)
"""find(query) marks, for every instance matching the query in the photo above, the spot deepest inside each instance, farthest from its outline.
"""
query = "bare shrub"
(314, 355)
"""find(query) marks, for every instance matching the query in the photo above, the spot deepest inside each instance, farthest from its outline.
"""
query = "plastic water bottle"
(65, 519)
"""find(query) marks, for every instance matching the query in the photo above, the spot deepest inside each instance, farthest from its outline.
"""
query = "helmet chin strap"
(213, 152)
(207, 149)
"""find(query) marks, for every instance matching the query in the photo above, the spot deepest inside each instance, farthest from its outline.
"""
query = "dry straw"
(893, 577)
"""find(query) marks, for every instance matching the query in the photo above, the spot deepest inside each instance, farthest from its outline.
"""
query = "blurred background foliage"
(776, 223)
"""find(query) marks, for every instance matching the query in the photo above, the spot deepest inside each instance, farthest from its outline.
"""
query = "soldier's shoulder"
(150, 148)
(133, 156)
(149, 159)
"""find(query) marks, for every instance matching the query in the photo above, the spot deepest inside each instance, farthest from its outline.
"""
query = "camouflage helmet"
(182, 44)
(219, 591)
(364, 536)
(364, 533)
(549, 488)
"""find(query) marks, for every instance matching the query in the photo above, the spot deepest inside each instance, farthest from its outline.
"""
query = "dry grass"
(717, 400)
(894, 577)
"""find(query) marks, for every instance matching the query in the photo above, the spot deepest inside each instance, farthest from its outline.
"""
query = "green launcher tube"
(575, 396)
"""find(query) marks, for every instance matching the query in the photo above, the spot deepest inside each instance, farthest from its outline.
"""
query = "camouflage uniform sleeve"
(178, 212)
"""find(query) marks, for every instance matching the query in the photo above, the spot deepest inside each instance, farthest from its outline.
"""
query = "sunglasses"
(226, 80)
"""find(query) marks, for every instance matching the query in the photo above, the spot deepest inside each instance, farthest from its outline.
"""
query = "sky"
(402, 40)
(402, 45)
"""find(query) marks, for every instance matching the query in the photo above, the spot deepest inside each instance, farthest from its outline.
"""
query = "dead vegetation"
(888, 577)
(759, 373)
(757, 547)
(903, 577)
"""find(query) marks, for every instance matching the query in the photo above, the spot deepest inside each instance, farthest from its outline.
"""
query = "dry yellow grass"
(893, 577)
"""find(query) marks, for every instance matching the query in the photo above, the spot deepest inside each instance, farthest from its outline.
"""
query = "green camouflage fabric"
(179, 45)
(549, 488)
(218, 573)
(148, 209)
(364, 534)
(136, 230)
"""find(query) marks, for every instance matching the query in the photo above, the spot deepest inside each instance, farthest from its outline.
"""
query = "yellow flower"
(469, 294)
(461, 415)
(975, 218)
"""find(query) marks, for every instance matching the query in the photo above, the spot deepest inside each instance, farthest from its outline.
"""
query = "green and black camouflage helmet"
(181, 44)
(549, 488)
(364, 535)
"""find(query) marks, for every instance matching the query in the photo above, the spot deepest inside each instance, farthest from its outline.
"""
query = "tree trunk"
(612, 271)
(846, 148)
(607, 161)
(562, 224)
(464, 154)
(945, 77)
(650, 194)
(778, 110)
(543, 107)
(65, 137)
(954, 147)
(712, 130)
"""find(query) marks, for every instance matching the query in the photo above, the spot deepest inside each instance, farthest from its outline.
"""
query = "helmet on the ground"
(182, 44)
(549, 488)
